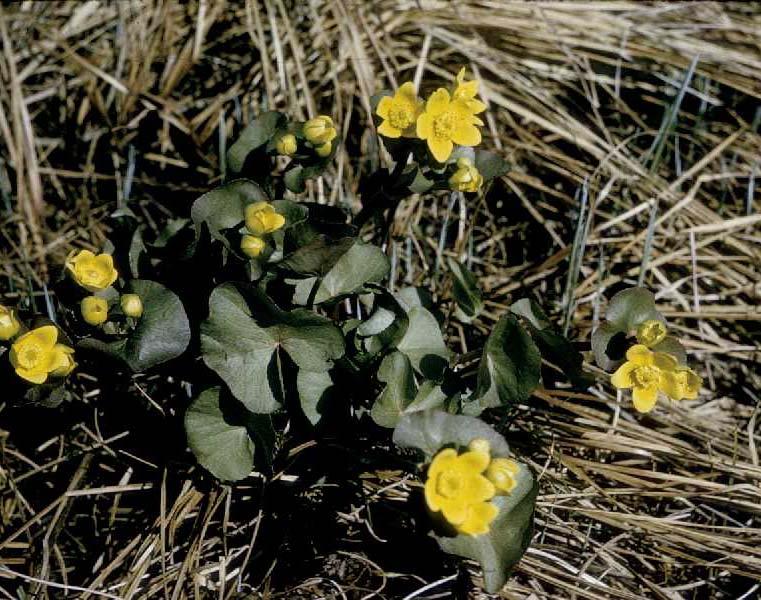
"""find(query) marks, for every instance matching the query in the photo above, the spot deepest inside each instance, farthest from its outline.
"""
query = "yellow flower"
(651, 332)
(319, 130)
(64, 361)
(9, 324)
(446, 122)
(457, 488)
(324, 150)
(35, 355)
(251, 245)
(646, 372)
(132, 305)
(261, 218)
(466, 178)
(502, 472)
(684, 383)
(467, 91)
(286, 144)
(94, 310)
(399, 112)
(92, 272)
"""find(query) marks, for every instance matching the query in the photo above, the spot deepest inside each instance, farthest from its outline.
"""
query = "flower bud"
(480, 445)
(132, 305)
(501, 472)
(319, 130)
(9, 324)
(94, 310)
(324, 150)
(651, 332)
(466, 178)
(261, 218)
(251, 245)
(286, 144)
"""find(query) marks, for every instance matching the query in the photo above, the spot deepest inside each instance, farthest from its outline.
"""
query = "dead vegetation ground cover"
(631, 130)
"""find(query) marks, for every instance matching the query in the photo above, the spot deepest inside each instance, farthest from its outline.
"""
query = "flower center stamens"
(449, 484)
(400, 116)
(645, 376)
(443, 125)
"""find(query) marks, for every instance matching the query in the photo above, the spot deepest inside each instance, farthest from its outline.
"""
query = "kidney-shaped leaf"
(510, 365)
(161, 334)
(424, 344)
(359, 265)
(465, 291)
(260, 131)
(630, 307)
(396, 372)
(223, 207)
(220, 442)
(240, 344)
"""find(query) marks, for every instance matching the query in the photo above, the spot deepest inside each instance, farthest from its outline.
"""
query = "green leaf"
(510, 365)
(260, 131)
(396, 372)
(429, 396)
(609, 345)
(161, 334)
(223, 207)
(490, 165)
(219, 438)
(361, 264)
(499, 550)
(386, 326)
(318, 256)
(240, 340)
(429, 431)
(465, 291)
(424, 344)
(315, 390)
(628, 308)
(555, 347)
(670, 345)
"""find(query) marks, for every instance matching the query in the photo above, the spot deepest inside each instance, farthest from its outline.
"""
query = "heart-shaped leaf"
(162, 333)
(555, 347)
(465, 291)
(223, 207)
(510, 365)
(240, 340)
(424, 344)
(218, 437)
(359, 265)
(396, 372)
(258, 133)
(315, 390)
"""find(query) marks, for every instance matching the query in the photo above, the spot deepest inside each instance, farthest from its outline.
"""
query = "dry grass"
(632, 133)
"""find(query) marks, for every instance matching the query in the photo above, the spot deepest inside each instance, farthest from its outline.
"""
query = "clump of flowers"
(261, 219)
(442, 121)
(320, 133)
(654, 364)
(461, 486)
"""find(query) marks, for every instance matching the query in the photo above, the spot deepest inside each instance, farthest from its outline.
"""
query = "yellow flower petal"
(455, 511)
(431, 495)
(443, 460)
(424, 126)
(466, 134)
(408, 90)
(384, 106)
(46, 336)
(644, 398)
(474, 460)
(622, 377)
(438, 102)
(389, 130)
(640, 355)
(37, 376)
(479, 518)
(669, 385)
(440, 148)
(478, 489)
